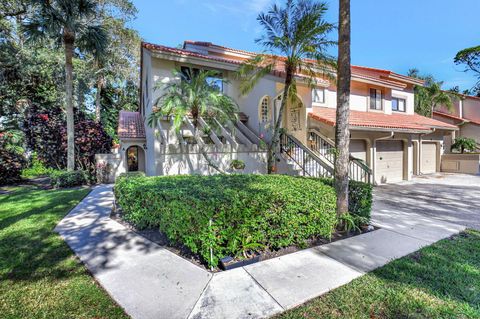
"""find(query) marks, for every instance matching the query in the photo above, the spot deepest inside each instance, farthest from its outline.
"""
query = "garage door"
(389, 161)
(358, 149)
(429, 158)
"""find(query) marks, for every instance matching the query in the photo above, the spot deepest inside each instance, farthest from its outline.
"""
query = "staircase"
(318, 159)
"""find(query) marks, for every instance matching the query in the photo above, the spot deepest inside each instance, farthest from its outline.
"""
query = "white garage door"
(389, 161)
(429, 158)
(358, 149)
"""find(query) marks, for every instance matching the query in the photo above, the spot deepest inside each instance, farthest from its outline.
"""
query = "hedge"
(60, 179)
(360, 197)
(231, 214)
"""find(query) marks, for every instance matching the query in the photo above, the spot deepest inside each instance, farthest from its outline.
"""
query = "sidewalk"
(149, 281)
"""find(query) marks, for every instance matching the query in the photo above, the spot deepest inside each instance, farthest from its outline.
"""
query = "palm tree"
(72, 23)
(342, 132)
(195, 96)
(299, 34)
(430, 95)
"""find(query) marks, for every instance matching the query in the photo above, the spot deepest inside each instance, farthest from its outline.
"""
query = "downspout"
(374, 155)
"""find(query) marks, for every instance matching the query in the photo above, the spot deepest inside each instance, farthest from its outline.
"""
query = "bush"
(12, 160)
(360, 197)
(232, 214)
(36, 169)
(61, 179)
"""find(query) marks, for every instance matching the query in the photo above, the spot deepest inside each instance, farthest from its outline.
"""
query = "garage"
(358, 149)
(429, 158)
(389, 161)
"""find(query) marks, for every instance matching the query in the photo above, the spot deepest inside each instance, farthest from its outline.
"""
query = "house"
(465, 114)
(389, 142)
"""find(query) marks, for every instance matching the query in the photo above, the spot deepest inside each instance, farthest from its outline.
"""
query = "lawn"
(439, 281)
(39, 275)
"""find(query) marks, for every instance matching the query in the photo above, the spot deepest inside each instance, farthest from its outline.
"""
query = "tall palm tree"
(72, 23)
(195, 96)
(342, 132)
(295, 40)
(430, 96)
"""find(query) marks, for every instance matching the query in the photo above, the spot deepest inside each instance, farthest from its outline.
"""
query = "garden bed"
(246, 217)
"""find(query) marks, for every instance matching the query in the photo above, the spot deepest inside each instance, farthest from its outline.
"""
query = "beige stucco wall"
(461, 163)
(471, 109)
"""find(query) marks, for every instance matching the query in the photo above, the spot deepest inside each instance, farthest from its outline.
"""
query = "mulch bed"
(156, 236)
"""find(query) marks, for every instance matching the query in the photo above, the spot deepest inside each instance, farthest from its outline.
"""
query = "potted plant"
(237, 164)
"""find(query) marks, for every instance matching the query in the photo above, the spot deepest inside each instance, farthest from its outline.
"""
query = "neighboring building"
(387, 138)
(466, 115)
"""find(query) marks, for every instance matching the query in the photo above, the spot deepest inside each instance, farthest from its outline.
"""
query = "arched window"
(265, 110)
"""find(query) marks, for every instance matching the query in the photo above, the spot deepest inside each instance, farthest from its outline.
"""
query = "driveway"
(453, 198)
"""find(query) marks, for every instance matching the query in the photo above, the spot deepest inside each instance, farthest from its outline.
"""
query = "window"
(318, 95)
(376, 97)
(215, 82)
(265, 110)
(398, 104)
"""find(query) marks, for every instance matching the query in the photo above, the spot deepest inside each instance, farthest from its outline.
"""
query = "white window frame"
(377, 91)
(264, 117)
(398, 98)
(323, 90)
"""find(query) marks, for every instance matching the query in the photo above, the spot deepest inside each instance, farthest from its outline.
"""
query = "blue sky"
(394, 35)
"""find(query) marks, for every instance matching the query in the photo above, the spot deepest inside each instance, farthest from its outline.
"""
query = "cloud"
(250, 7)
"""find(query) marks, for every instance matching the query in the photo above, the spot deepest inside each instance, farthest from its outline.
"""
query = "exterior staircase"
(317, 160)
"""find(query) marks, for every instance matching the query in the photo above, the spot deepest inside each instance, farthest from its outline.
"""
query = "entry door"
(389, 161)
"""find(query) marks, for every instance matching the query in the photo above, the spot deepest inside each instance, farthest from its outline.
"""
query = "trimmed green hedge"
(360, 197)
(232, 214)
(60, 179)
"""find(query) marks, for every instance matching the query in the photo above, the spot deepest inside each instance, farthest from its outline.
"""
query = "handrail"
(307, 160)
(358, 170)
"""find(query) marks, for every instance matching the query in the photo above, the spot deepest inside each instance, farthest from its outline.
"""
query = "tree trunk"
(100, 85)
(68, 41)
(342, 132)
(272, 146)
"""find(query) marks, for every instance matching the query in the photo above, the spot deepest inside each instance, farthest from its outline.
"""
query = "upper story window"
(398, 104)
(215, 82)
(265, 110)
(318, 95)
(376, 97)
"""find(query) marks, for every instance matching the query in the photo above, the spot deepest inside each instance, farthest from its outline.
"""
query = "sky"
(387, 34)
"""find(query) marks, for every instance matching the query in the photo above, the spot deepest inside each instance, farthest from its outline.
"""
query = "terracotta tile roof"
(380, 75)
(454, 117)
(395, 121)
(130, 125)
(187, 53)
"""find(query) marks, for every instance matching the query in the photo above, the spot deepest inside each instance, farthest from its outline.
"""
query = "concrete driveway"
(453, 198)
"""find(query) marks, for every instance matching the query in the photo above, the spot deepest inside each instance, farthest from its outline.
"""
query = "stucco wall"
(461, 163)
(471, 109)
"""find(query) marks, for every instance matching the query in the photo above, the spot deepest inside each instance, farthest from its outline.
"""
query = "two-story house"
(388, 140)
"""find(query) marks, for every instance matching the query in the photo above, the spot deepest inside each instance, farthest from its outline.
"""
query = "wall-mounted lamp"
(144, 146)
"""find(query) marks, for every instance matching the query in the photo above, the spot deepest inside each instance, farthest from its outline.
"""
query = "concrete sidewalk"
(149, 281)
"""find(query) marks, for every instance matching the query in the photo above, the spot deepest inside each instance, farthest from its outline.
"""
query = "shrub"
(463, 144)
(12, 160)
(61, 179)
(232, 214)
(36, 169)
(359, 198)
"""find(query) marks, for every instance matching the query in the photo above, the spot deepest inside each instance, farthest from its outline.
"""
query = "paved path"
(149, 281)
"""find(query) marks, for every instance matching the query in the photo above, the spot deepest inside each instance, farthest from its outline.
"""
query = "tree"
(120, 62)
(463, 144)
(299, 33)
(194, 96)
(429, 96)
(342, 132)
(470, 57)
(72, 23)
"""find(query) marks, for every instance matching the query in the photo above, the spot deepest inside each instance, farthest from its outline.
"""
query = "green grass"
(39, 275)
(439, 281)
